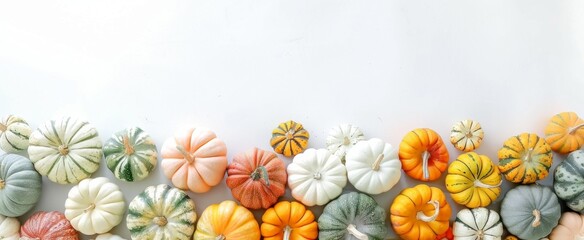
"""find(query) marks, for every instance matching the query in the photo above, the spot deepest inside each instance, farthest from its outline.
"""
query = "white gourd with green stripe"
(14, 134)
(477, 224)
(66, 150)
(130, 154)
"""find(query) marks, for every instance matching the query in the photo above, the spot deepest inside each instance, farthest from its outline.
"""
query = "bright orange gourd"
(446, 235)
(227, 221)
(423, 154)
(565, 132)
(289, 220)
(420, 212)
(289, 138)
(194, 160)
(48, 225)
(257, 178)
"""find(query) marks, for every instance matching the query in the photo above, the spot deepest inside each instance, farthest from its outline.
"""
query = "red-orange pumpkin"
(48, 225)
(257, 178)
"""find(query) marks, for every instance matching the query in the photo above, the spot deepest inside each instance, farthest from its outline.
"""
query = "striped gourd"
(130, 154)
(525, 158)
(161, 212)
(66, 150)
(569, 181)
(466, 135)
(289, 138)
(478, 223)
(565, 132)
(473, 180)
(14, 134)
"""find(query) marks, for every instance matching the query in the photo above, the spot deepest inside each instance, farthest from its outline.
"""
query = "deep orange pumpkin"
(48, 225)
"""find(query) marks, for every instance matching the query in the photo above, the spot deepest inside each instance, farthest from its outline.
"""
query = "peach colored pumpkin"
(194, 160)
(571, 226)
(48, 226)
(257, 178)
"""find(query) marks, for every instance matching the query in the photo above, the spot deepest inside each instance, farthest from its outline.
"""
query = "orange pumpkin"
(227, 221)
(194, 160)
(565, 132)
(420, 212)
(289, 220)
(448, 235)
(423, 154)
(48, 225)
(289, 138)
(257, 178)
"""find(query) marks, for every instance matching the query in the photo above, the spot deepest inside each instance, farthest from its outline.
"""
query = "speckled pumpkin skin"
(525, 158)
(569, 181)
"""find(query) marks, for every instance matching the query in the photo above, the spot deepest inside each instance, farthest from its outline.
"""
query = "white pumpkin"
(66, 150)
(109, 236)
(477, 223)
(466, 135)
(14, 134)
(316, 177)
(95, 206)
(373, 166)
(342, 138)
(9, 228)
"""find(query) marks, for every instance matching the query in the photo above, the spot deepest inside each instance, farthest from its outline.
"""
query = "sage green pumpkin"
(20, 185)
(130, 154)
(530, 211)
(354, 215)
(569, 181)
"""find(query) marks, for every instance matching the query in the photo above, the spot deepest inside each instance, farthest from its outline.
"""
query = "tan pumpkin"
(571, 226)
(565, 132)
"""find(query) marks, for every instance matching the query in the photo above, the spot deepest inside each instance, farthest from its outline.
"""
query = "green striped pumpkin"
(569, 181)
(477, 223)
(14, 134)
(525, 158)
(20, 185)
(130, 154)
(66, 150)
(161, 212)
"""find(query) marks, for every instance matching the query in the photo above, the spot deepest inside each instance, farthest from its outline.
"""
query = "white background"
(241, 67)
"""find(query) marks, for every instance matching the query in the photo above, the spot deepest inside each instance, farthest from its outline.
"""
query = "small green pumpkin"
(569, 181)
(130, 154)
(530, 211)
(354, 215)
(14, 134)
(20, 185)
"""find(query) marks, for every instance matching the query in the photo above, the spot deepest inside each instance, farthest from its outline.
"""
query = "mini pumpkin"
(289, 220)
(565, 132)
(473, 180)
(48, 225)
(65, 150)
(95, 206)
(373, 166)
(227, 221)
(130, 154)
(569, 181)
(448, 235)
(14, 134)
(420, 212)
(256, 178)
(316, 177)
(342, 138)
(289, 138)
(423, 154)
(108, 236)
(571, 227)
(20, 185)
(9, 228)
(194, 160)
(466, 135)
(161, 212)
(352, 215)
(478, 223)
(525, 158)
(530, 211)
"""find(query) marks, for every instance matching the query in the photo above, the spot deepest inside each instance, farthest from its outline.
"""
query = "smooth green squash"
(20, 185)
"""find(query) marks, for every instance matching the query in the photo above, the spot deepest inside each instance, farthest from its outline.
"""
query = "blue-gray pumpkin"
(569, 181)
(20, 185)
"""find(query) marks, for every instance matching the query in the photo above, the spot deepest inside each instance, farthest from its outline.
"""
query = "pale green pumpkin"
(20, 185)
(569, 181)
(130, 154)
(352, 215)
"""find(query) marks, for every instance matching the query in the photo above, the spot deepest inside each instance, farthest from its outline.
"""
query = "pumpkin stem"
(421, 216)
(425, 158)
(570, 131)
(480, 234)
(127, 146)
(261, 172)
(160, 221)
(184, 152)
(478, 183)
(64, 150)
(290, 134)
(527, 155)
(469, 134)
(220, 237)
(317, 176)
(353, 231)
(2, 184)
(89, 208)
(3, 127)
(346, 140)
(377, 162)
(287, 232)
(537, 221)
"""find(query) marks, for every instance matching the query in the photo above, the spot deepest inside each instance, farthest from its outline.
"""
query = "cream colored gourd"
(316, 177)
(342, 138)
(95, 206)
(477, 223)
(14, 134)
(9, 228)
(373, 166)
(571, 227)
(109, 236)
(466, 135)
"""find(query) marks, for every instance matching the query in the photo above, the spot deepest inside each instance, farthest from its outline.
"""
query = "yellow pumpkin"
(420, 212)
(473, 180)
(525, 158)
(565, 132)
(227, 221)
(289, 138)
(289, 220)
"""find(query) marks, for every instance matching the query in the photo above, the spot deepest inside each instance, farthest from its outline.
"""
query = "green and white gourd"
(342, 138)
(477, 224)
(161, 212)
(130, 154)
(109, 236)
(14, 134)
(9, 228)
(352, 216)
(20, 185)
(65, 150)
(569, 181)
